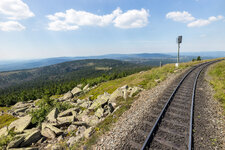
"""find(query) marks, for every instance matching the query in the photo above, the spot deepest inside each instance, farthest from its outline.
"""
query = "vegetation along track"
(170, 124)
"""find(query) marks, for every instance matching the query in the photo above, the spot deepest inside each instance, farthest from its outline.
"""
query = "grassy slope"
(217, 74)
(6, 119)
(146, 80)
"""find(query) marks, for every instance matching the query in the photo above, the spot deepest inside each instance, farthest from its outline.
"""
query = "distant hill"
(29, 64)
(33, 83)
(142, 58)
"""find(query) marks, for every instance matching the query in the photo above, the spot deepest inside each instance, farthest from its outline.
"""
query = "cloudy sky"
(54, 28)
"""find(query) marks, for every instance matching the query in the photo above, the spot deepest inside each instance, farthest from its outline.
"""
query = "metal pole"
(178, 55)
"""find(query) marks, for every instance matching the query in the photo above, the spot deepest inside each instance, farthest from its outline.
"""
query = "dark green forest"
(57, 79)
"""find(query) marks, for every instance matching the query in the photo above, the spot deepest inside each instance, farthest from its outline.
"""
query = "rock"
(46, 132)
(51, 127)
(80, 130)
(56, 147)
(15, 143)
(99, 112)
(125, 94)
(71, 128)
(21, 110)
(51, 117)
(4, 131)
(117, 93)
(111, 107)
(134, 90)
(93, 120)
(104, 96)
(80, 123)
(125, 87)
(88, 132)
(86, 87)
(20, 124)
(72, 140)
(20, 105)
(25, 148)
(86, 104)
(68, 95)
(32, 138)
(79, 101)
(69, 112)
(76, 91)
(60, 138)
(79, 85)
(101, 100)
(68, 119)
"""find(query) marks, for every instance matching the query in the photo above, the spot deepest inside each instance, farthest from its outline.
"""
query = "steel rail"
(190, 144)
(150, 136)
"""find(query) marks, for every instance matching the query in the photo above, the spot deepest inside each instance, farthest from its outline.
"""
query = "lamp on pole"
(179, 40)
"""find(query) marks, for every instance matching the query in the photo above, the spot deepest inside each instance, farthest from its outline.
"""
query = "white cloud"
(202, 22)
(73, 19)
(132, 19)
(15, 9)
(11, 26)
(180, 16)
(186, 17)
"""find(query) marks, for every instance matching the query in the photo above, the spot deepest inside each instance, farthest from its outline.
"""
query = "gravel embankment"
(209, 120)
(116, 138)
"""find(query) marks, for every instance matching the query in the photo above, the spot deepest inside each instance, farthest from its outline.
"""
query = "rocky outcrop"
(101, 100)
(67, 96)
(51, 117)
(31, 138)
(76, 91)
(70, 125)
(20, 124)
(15, 143)
(47, 132)
(3, 131)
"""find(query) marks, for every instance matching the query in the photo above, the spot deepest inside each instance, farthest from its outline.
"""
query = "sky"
(31, 29)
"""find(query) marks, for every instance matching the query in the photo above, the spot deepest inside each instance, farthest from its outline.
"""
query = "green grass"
(146, 79)
(217, 73)
(6, 119)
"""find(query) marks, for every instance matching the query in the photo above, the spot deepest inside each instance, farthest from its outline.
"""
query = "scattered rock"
(57, 147)
(54, 129)
(72, 140)
(99, 112)
(15, 143)
(79, 85)
(46, 132)
(66, 120)
(101, 100)
(68, 112)
(88, 132)
(76, 91)
(68, 95)
(134, 90)
(51, 117)
(32, 138)
(25, 148)
(4, 131)
(20, 124)
(86, 104)
(86, 87)
(72, 128)
(93, 120)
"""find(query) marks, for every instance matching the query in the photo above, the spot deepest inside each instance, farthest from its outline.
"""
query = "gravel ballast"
(209, 121)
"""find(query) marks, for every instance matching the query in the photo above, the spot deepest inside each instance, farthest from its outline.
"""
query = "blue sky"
(54, 28)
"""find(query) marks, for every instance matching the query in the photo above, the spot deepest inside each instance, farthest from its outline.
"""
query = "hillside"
(23, 85)
(83, 114)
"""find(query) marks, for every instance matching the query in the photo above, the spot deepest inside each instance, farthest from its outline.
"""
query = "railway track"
(170, 124)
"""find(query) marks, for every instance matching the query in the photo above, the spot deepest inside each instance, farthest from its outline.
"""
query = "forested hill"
(23, 85)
